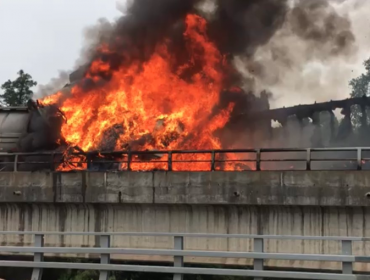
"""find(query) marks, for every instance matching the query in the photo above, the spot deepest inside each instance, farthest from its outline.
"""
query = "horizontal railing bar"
(262, 150)
(198, 235)
(349, 161)
(171, 252)
(312, 160)
(184, 270)
(352, 160)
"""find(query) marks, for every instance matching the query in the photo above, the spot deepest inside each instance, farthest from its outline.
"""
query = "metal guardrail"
(254, 159)
(178, 270)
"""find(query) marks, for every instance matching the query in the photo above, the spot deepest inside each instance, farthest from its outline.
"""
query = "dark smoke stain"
(21, 226)
(63, 212)
(97, 222)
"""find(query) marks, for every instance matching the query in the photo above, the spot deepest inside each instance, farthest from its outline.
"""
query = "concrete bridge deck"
(310, 203)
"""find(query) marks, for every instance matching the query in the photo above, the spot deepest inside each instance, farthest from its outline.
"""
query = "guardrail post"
(169, 167)
(178, 260)
(38, 257)
(129, 159)
(213, 157)
(258, 160)
(52, 163)
(308, 159)
(104, 258)
(258, 247)
(359, 159)
(15, 163)
(347, 267)
(88, 162)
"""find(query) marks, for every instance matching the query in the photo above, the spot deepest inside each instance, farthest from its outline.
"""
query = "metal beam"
(38, 257)
(178, 258)
(185, 270)
(181, 253)
(104, 258)
(198, 235)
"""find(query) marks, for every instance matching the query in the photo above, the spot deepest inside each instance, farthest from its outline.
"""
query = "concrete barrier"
(315, 188)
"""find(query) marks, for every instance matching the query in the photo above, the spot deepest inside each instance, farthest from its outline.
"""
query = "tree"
(17, 92)
(360, 87)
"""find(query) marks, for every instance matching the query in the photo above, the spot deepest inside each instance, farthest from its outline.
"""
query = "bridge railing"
(347, 259)
(356, 158)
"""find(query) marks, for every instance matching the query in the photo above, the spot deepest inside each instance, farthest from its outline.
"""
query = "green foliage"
(17, 92)
(126, 275)
(360, 87)
(80, 275)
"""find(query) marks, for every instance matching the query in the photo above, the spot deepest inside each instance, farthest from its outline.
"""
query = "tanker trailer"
(29, 129)
(13, 124)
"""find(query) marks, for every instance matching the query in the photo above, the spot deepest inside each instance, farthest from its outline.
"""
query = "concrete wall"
(281, 203)
(319, 188)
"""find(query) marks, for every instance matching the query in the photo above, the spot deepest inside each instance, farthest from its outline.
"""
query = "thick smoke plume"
(237, 27)
(266, 38)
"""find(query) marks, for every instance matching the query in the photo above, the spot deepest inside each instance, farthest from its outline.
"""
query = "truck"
(34, 128)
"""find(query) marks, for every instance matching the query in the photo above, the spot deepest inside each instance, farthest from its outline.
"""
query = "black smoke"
(239, 27)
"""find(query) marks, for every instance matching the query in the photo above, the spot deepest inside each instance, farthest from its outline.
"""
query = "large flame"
(151, 99)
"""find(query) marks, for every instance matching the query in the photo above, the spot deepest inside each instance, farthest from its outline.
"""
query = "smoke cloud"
(319, 48)
(54, 85)
(301, 51)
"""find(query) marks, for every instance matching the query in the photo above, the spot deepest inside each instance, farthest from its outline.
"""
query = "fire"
(151, 103)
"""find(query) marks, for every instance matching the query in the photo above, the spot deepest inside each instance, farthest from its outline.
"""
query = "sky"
(45, 36)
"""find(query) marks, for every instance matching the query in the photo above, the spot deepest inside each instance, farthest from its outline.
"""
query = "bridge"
(290, 192)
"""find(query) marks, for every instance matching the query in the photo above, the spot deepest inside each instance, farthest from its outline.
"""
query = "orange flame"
(149, 98)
